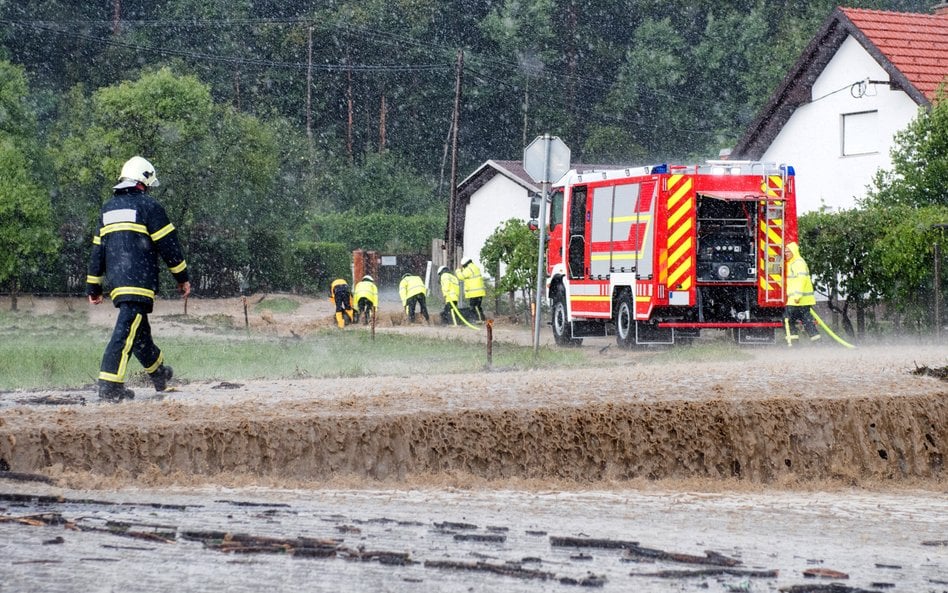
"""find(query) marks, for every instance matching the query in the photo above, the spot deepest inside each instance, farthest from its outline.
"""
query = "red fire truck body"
(656, 254)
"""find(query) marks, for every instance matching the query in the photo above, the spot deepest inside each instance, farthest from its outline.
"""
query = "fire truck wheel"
(562, 332)
(625, 321)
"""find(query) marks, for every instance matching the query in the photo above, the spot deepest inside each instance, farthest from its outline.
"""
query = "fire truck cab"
(656, 254)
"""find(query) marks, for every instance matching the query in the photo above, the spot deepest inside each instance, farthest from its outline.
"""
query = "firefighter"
(412, 291)
(799, 292)
(340, 295)
(134, 231)
(366, 297)
(474, 292)
(451, 291)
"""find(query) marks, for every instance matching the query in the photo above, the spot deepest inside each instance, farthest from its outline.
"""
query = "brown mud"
(785, 418)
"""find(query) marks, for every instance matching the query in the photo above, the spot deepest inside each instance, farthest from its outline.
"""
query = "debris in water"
(826, 573)
(501, 569)
(709, 572)
(938, 373)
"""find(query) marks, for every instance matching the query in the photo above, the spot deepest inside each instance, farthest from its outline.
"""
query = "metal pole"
(541, 272)
(937, 292)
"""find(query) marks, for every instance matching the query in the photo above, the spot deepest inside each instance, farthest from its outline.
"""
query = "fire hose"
(821, 323)
(458, 313)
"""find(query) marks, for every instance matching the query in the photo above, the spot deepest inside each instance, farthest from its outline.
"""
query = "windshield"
(556, 208)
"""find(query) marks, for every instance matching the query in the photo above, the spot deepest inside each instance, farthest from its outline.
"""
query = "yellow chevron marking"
(680, 252)
(680, 192)
(684, 228)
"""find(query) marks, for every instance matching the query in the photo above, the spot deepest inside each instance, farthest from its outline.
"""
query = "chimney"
(941, 9)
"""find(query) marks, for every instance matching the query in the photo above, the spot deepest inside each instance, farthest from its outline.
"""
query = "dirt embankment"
(788, 418)
(784, 417)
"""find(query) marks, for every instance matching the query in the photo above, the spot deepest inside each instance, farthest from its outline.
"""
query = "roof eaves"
(897, 78)
(795, 90)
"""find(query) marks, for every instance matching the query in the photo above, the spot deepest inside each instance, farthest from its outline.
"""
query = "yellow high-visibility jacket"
(799, 285)
(450, 288)
(332, 291)
(409, 287)
(473, 281)
(366, 290)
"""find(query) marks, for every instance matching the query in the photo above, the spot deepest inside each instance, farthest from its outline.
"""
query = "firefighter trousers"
(131, 335)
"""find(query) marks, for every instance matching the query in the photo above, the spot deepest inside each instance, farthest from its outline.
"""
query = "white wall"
(497, 201)
(812, 140)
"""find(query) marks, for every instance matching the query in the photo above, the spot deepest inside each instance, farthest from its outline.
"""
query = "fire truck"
(656, 254)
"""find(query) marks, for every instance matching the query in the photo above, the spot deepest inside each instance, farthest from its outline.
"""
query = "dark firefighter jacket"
(134, 231)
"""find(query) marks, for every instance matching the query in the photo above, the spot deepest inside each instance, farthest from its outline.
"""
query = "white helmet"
(369, 278)
(137, 170)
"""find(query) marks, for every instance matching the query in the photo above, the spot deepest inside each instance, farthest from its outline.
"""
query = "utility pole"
(383, 110)
(349, 107)
(309, 91)
(116, 17)
(937, 279)
(452, 202)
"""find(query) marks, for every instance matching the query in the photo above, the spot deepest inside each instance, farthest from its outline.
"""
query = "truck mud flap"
(754, 335)
(589, 329)
(650, 334)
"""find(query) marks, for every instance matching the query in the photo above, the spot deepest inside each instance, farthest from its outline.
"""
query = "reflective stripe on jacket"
(366, 290)
(134, 231)
(409, 287)
(450, 287)
(473, 281)
(799, 285)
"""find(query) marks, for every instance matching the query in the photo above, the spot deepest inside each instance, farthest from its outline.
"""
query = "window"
(860, 133)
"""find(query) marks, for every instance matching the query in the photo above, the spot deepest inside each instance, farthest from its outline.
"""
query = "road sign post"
(546, 159)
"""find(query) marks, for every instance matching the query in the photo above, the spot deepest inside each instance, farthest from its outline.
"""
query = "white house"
(496, 192)
(862, 78)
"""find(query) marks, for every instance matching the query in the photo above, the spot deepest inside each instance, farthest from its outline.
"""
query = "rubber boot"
(161, 376)
(114, 392)
(339, 320)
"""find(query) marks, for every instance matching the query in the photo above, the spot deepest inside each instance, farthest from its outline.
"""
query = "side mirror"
(535, 202)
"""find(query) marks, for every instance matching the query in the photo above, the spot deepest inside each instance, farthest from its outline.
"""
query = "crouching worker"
(451, 291)
(412, 292)
(366, 296)
(133, 232)
(340, 295)
(470, 274)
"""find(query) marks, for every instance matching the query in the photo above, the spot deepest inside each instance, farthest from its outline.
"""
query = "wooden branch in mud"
(492, 538)
(634, 550)
(25, 477)
(239, 543)
(38, 520)
(510, 570)
(591, 542)
(708, 572)
(831, 588)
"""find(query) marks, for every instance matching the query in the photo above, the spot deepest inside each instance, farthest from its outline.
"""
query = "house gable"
(912, 49)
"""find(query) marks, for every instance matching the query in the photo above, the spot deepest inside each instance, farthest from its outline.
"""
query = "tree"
(27, 239)
(510, 254)
(842, 251)
(919, 174)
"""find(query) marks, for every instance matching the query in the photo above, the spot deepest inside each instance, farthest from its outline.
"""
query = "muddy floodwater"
(804, 470)
(476, 540)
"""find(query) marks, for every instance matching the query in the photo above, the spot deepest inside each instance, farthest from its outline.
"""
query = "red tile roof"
(911, 48)
(916, 44)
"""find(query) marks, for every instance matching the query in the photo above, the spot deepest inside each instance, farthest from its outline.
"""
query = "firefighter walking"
(133, 232)
(451, 291)
(470, 274)
(340, 295)
(412, 292)
(366, 297)
(800, 295)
